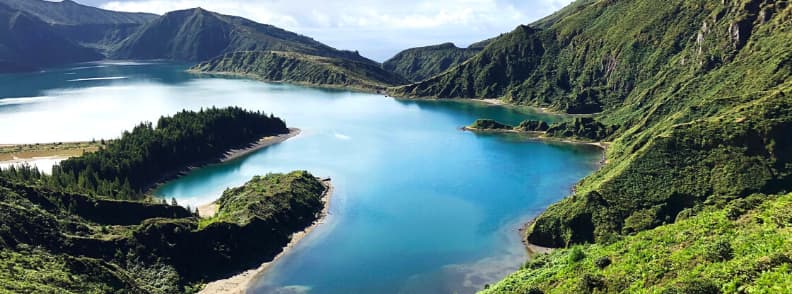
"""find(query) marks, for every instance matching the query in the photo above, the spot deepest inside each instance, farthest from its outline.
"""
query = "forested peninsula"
(127, 167)
(89, 227)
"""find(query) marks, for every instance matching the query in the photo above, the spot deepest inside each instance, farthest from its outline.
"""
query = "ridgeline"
(276, 66)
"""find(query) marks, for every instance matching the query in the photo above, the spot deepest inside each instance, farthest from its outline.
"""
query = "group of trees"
(127, 166)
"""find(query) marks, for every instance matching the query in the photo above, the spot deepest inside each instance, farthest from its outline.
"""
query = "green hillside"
(743, 247)
(302, 69)
(694, 96)
(53, 242)
(199, 35)
(418, 64)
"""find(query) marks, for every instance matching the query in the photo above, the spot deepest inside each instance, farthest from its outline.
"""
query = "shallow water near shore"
(419, 206)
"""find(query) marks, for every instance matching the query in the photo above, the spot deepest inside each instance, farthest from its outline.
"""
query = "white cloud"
(378, 28)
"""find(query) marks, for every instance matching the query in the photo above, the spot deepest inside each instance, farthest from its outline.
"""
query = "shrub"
(533, 290)
(603, 262)
(576, 254)
(591, 282)
(720, 251)
(694, 287)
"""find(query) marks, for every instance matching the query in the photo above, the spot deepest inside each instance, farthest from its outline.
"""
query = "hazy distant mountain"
(71, 13)
(417, 64)
(198, 34)
(85, 26)
(28, 43)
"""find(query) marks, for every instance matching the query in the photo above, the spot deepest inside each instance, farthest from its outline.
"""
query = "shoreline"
(533, 249)
(539, 136)
(255, 77)
(227, 156)
(242, 281)
(260, 144)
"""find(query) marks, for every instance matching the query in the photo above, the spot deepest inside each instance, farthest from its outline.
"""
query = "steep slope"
(26, 43)
(302, 69)
(710, 125)
(694, 94)
(741, 248)
(198, 35)
(418, 64)
(54, 242)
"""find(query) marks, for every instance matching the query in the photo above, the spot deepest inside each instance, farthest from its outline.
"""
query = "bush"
(603, 262)
(720, 251)
(694, 287)
(576, 254)
(534, 290)
(591, 282)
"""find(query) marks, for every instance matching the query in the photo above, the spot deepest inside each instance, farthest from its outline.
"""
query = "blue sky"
(376, 28)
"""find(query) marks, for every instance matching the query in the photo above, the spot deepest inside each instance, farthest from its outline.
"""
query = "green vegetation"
(63, 242)
(489, 124)
(694, 96)
(197, 34)
(580, 128)
(418, 64)
(83, 33)
(264, 197)
(738, 248)
(9, 152)
(304, 69)
(125, 168)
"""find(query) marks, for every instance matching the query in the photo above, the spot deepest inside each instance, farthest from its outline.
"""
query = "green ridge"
(694, 96)
(198, 35)
(741, 248)
(418, 64)
(302, 69)
(72, 243)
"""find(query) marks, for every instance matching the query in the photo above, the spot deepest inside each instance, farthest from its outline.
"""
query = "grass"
(26, 151)
(735, 248)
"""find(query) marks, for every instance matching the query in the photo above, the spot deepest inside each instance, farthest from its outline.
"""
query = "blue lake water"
(419, 206)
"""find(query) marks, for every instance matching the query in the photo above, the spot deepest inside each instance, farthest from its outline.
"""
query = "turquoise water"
(419, 206)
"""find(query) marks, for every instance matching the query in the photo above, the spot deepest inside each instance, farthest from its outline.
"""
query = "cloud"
(390, 25)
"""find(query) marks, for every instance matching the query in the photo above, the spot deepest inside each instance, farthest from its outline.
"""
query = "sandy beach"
(242, 281)
(493, 101)
(261, 143)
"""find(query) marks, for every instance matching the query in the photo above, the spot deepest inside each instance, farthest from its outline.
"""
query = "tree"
(173, 201)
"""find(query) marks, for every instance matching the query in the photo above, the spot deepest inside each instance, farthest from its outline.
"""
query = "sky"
(378, 29)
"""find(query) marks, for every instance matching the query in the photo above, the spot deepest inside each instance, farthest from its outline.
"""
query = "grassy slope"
(695, 95)
(302, 68)
(693, 135)
(71, 243)
(9, 152)
(734, 249)
(198, 35)
(418, 64)
(265, 197)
